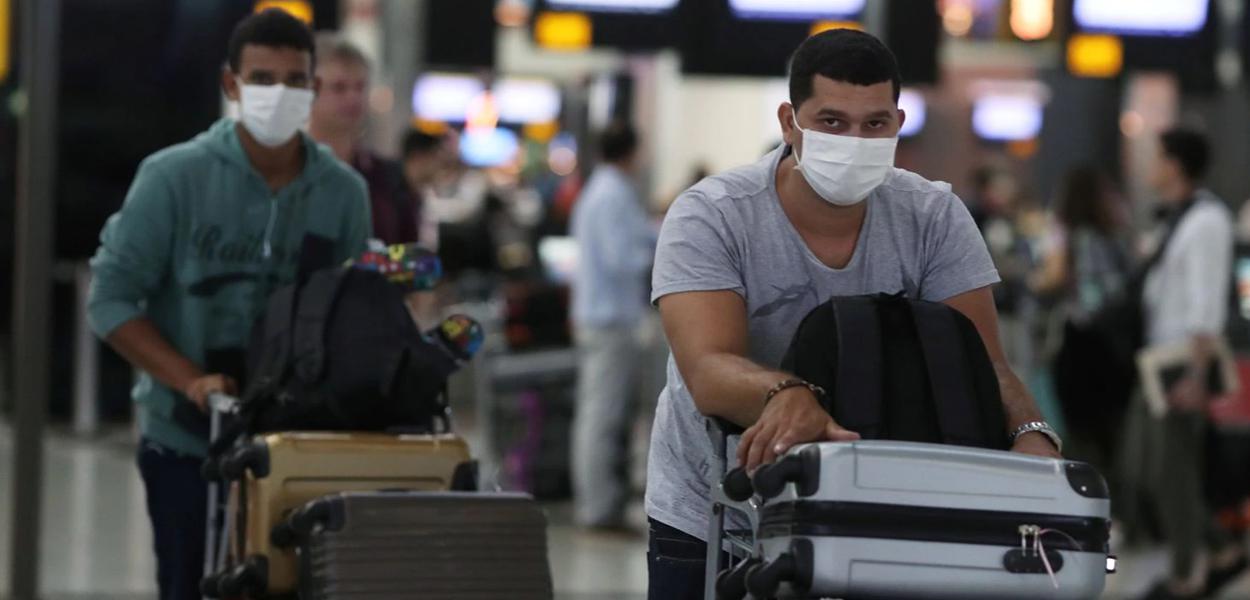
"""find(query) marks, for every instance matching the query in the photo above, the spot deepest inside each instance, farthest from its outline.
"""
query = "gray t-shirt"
(730, 233)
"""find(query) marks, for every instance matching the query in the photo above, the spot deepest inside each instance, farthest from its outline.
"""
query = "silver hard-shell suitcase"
(906, 520)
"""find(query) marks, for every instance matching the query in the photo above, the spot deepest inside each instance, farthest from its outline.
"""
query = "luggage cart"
(730, 552)
(219, 516)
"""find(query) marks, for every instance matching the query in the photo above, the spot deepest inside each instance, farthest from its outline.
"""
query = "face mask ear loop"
(794, 118)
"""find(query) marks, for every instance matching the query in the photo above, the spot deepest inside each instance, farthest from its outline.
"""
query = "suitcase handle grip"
(770, 480)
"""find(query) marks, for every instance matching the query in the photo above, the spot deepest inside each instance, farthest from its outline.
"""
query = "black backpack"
(341, 352)
(901, 369)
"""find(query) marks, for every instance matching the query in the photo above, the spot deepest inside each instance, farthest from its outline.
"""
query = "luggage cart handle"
(223, 403)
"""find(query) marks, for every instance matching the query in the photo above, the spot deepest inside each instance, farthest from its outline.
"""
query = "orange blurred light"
(563, 31)
(435, 128)
(512, 13)
(5, 13)
(482, 113)
(1095, 55)
(300, 9)
(1132, 124)
(1032, 19)
(823, 26)
(958, 16)
(1023, 149)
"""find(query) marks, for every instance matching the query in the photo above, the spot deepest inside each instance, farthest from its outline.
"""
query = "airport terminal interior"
(496, 278)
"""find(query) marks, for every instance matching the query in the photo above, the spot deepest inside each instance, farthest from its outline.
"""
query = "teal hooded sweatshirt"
(199, 244)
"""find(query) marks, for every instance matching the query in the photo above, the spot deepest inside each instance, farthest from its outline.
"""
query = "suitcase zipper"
(929, 524)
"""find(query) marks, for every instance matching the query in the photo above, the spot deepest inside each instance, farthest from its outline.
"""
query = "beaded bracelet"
(793, 383)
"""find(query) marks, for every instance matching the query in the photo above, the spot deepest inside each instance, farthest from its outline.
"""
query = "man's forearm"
(143, 346)
(1018, 404)
(732, 387)
(1203, 352)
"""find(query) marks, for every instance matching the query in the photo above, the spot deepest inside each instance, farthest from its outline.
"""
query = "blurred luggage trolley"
(334, 515)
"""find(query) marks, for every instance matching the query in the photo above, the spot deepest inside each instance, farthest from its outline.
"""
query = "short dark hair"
(841, 55)
(1190, 149)
(274, 28)
(617, 142)
(1083, 200)
(419, 142)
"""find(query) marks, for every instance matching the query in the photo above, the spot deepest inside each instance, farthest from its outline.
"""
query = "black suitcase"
(426, 545)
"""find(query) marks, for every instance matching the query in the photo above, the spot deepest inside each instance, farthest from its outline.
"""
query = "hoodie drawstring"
(273, 219)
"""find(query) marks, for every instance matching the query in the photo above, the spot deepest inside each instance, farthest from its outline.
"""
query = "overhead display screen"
(1135, 17)
(1006, 118)
(805, 10)
(642, 6)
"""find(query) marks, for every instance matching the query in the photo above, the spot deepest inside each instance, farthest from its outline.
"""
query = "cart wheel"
(250, 578)
(731, 584)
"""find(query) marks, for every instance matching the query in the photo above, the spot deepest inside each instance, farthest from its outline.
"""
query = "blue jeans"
(177, 506)
(675, 564)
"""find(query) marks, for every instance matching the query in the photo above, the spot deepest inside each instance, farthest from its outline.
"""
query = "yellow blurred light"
(435, 128)
(823, 26)
(5, 39)
(541, 132)
(563, 31)
(958, 17)
(300, 9)
(1032, 19)
(1095, 55)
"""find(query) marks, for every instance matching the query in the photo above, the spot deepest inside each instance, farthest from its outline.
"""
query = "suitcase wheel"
(794, 567)
(250, 578)
(731, 584)
(737, 485)
(464, 479)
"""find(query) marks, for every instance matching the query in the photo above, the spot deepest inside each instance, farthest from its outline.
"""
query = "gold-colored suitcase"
(277, 473)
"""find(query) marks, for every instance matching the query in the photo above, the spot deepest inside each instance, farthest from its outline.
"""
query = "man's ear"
(316, 86)
(787, 116)
(229, 85)
(902, 118)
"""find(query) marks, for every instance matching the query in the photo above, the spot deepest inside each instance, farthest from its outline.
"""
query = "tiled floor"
(96, 541)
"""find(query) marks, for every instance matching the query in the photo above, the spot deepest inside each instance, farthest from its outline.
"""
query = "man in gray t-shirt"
(745, 255)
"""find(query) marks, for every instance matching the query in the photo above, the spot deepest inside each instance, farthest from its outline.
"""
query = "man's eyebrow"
(832, 112)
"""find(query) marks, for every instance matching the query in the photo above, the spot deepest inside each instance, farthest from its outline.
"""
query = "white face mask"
(843, 169)
(273, 113)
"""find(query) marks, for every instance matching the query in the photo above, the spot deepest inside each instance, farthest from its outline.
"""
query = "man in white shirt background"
(616, 245)
(1186, 301)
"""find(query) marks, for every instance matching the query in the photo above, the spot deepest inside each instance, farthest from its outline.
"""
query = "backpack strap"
(312, 313)
(946, 363)
(857, 399)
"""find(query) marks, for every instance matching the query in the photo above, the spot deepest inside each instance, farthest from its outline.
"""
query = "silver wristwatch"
(1041, 427)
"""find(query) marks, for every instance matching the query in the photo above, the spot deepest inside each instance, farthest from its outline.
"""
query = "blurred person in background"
(209, 228)
(338, 120)
(422, 158)
(616, 244)
(1186, 301)
(1085, 270)
(996, 210)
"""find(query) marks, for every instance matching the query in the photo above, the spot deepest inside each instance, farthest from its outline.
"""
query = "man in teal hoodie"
(209, 228)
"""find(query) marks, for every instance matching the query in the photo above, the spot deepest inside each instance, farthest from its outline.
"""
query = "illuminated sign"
(799, 10)
(1005, 118)
(1169, 17)
(614, 5)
